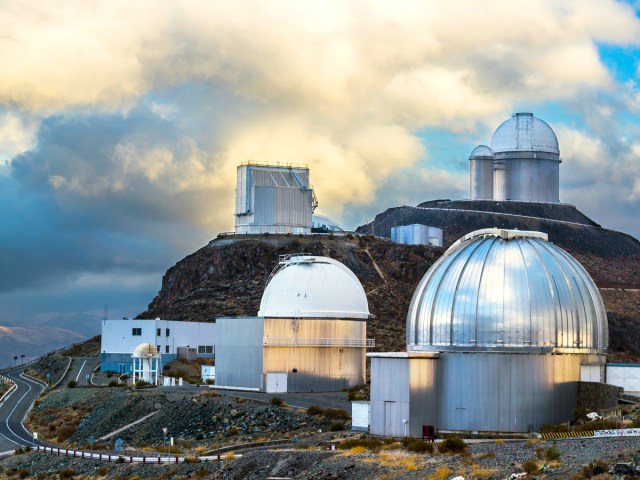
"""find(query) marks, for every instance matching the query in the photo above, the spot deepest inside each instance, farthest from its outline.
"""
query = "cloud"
(125, 121)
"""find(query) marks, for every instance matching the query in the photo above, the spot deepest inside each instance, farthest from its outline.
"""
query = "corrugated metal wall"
(239, 352)
(389, 395)
(506, 392)
(481, 178)
(317, 368)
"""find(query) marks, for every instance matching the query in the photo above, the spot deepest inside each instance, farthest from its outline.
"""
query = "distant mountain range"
(32, 341)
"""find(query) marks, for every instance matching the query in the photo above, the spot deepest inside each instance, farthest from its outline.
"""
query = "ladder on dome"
(282, 263)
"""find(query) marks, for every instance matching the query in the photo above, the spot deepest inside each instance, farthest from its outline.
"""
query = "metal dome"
(507, 289)
(524, 132)
(313, 287)
(145, 350)
(481, 151)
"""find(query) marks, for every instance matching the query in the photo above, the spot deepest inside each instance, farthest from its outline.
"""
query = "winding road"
(14, 409)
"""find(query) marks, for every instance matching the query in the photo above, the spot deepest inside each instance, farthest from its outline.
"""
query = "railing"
(317, 342)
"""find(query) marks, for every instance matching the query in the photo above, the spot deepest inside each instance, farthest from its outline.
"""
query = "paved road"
(80, 368)
(14, 409)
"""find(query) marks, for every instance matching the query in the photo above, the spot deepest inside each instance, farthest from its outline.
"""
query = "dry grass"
(229, 456)
(485, 455)
(500, 441)
(391, 446)
(478, 472)
(356, 450)
(442, 473)
(398, 460)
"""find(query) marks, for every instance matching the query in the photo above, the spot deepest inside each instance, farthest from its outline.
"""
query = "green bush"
(67, 473)
(210, 381)
(419, 446)
(551, 453)
(368, 443)
(452, 445)
(353, 396)
(336, 414)
(315, 410)
(336, 427)
(277, 402)
(72, 384)
(531, 467)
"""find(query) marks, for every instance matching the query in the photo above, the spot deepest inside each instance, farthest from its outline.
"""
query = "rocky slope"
(227, 277)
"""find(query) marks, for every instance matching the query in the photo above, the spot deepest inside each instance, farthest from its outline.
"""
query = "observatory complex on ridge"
(522, 164)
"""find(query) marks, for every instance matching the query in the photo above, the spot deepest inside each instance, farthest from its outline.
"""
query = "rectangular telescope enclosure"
(273, 199)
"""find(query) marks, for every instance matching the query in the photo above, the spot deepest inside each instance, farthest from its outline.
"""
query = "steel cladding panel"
(423, 401)
(239, 352)
(389, 388)
(506, 392)
(481, 178)
(318, 368)
(627, 377)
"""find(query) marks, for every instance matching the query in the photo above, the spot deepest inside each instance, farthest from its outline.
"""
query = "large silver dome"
(524, 132)
(507, 289)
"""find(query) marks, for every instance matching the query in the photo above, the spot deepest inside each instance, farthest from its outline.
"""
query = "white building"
(121, 337)
(309, 335)
(417, 234)
(274, 199)
(522, 164)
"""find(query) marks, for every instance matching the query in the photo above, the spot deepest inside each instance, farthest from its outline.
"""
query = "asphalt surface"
(14, 409)
(80, 368)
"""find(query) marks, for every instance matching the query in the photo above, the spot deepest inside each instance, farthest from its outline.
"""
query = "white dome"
(481, 151)
(507, 289)
(524, 132)
(314, 287)
(145, 350)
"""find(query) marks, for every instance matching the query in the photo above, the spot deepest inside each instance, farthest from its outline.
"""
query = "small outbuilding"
(497, 332)
(309, 335)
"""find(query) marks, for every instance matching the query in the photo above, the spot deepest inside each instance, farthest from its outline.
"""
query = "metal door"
(389, 419)
(276, 382)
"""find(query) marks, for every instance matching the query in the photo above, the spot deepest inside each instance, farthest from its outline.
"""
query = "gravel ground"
(53, 364)
(485, 461)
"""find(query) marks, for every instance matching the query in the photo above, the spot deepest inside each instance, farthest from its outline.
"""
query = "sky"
(122, 123)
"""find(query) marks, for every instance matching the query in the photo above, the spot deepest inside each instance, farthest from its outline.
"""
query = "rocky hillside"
(228, 276)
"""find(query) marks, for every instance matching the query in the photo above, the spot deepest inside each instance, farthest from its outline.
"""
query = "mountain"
(32, 342)
(227, 277)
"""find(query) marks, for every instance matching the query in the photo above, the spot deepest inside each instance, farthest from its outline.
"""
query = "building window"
(158, 348)
(168, 332)
(205, 348)
(159, 330)
(166, 349)
(136, 332)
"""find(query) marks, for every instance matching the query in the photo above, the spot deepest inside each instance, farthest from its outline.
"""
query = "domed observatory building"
(522, 164)
(309, 335)
(497, 331)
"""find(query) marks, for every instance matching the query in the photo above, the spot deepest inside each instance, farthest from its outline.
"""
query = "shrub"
(277, 402)
(315, 410)
(551, 453)
(452, 445)
(113, 383)
(229, 456)
(191, 460)
(232, 431)
(500, 441)
(355, 396)
(65, 432)
(72, 384)
(336, 414)
(19, 451)
(67, 473)
(368, 443)
(142, 383)
(419, 446)
(336, 427)
(209, 381)
(136, 477)
(596, 467)
(24, 473)
(531, 467)
(200, 436)
(119, 460)
(102, 471)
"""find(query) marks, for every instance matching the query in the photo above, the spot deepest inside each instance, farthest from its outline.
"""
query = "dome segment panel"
(507, 289)
(314, 287)
(524, 132)
(481, 151)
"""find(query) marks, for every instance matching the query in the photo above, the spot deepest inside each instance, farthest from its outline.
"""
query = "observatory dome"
(145, 350)
(507, 289)
(313, 287)
(524, 132)
(481, 151)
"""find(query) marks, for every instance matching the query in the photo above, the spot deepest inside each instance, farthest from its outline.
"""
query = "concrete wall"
(595, 396)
